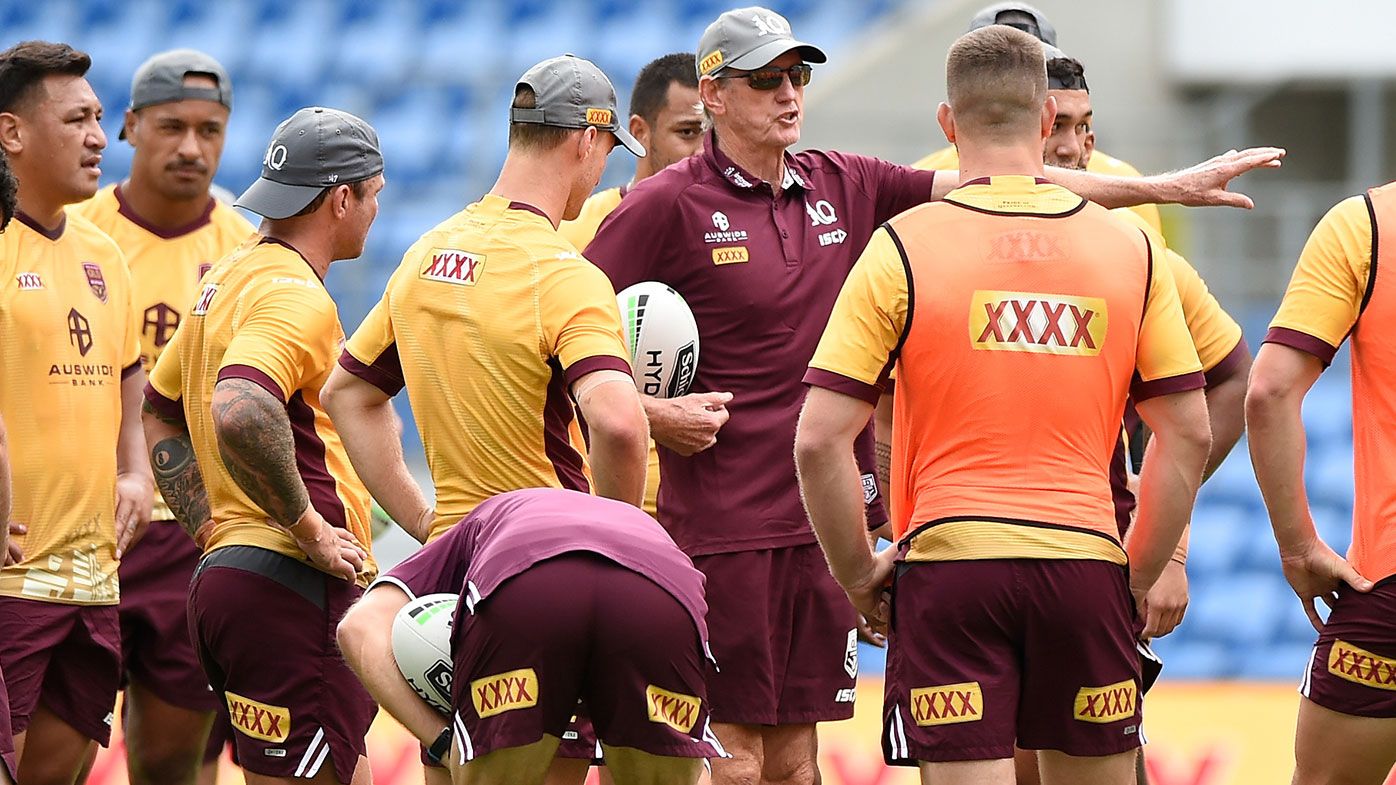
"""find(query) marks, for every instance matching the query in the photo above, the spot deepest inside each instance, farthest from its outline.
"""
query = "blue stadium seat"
(1241, 609)
(1218, 538)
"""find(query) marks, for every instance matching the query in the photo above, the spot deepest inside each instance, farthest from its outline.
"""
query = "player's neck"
(763, 161)
(533, 180)
(984, 160)
(311, 242)
(43, 210)
(158, 211)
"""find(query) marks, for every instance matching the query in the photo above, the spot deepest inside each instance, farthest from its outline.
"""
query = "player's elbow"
(1265, 395)
(624, 427)
(240, 408)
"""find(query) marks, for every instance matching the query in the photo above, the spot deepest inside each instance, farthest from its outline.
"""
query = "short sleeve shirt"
(760, 265)
(69, 336)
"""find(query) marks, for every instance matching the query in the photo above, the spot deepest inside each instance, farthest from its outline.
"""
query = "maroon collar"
(124, 208)
(53, 235)
(284, 244)
(528, 208)
(741, 178)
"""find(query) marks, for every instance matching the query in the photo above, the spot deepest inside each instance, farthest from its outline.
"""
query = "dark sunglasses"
(770, 78)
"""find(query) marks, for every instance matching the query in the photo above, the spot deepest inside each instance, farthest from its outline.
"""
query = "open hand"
(1204, 184)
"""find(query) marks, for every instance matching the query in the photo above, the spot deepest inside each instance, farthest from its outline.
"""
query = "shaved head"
(996, 79)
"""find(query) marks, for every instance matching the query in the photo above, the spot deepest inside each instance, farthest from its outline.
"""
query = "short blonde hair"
(996, 80)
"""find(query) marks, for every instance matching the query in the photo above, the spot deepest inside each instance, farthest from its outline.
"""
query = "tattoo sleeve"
(180, 482)
(258, 449)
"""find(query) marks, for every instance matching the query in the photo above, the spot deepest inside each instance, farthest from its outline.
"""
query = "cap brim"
(631, 143)
(274, 200)
(767, 53)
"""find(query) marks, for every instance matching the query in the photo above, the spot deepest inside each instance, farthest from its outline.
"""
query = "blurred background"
(1172, 82)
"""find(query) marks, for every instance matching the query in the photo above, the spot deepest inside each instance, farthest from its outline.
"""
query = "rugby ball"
(422, 647)
(662, 337)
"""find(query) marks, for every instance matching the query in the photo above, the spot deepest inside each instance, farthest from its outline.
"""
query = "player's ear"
(587, 141)
(711, 96)
(10, 140)
(640, 130)
(945, 116)
(128, 127)
(340, 200)
(1049, 115)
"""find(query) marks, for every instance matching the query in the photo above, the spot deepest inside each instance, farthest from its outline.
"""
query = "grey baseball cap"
(160, 80)
(1040, 27)
(312, 150)
(748, 38)
(573, 93)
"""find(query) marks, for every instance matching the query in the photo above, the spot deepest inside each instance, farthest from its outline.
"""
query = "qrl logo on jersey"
(259, 720)
(205, 300)
(1106, 704)
(1360, 666)
(947, 704)
(95, 281)
(455, 267)
(504, 692)
(676, 710)
(1037, 323)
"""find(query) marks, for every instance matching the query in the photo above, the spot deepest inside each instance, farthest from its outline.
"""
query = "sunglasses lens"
(766, 80)
(800, 75)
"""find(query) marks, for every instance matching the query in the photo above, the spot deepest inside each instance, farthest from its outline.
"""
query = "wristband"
(440, 747)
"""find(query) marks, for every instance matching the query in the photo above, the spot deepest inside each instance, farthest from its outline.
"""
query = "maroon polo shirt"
(761, 267)
(508, 533)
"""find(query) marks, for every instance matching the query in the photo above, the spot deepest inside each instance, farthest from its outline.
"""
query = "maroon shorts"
(155, 646)
(264, 625)
(578, 742)
(573, 627)
(1353, 667)
(7, 738)
(784, 636)
(66, 656)
(983, 653)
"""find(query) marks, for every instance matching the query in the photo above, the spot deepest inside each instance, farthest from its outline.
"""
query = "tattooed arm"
(259, 452)
(177, 472)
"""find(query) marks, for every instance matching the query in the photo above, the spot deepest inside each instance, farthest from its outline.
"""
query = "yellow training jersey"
(262, 314)
(579, 232)
(1099, 163)
(488, 320)
(581, 229)
(165, 265)
(1215, 335)
(68, 336)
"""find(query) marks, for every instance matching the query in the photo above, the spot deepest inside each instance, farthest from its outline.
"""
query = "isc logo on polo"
(449, 265)
(259, 720)
(504, 692)
(1360, 666)
(1037, 323)
(947, 704)
(1110, 703)
(676, 710)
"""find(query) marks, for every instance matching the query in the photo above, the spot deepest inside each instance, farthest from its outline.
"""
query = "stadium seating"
(435, 76)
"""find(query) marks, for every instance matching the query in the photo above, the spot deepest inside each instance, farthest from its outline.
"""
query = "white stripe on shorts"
(319, 761)
(466, 749)
(310, 753)
(1305, 684)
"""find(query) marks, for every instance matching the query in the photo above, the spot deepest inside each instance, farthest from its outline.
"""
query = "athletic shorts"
(983, 653)
(784, 636)
(579, 626)
(264, 626)
(155, 645)
(578, 742)
(1353, 666)
(66, 656)
(7, 738)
